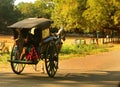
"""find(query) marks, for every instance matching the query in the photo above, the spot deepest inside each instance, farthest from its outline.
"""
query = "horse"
(60, 37)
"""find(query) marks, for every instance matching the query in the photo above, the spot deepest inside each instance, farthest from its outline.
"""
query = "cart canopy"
(31, 23)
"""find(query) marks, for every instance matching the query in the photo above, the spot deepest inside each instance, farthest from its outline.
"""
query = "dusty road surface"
(100, 70)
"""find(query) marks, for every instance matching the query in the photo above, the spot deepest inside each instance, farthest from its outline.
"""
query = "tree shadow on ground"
(106, 78)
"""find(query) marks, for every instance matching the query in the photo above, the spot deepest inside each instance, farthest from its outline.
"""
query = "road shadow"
(93, 76)
(106, 78)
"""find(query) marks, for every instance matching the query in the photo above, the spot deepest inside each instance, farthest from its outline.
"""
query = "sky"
(18, 1)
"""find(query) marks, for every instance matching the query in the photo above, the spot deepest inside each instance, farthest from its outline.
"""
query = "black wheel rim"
(16, 67)
(51, 61)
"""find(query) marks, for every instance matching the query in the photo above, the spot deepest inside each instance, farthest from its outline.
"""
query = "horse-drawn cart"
(34, 42)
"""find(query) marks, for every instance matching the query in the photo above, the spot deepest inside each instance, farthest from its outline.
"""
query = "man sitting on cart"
(26, 41)
(27, 46)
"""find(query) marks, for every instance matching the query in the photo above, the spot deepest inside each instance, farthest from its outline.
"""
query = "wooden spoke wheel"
(16, 67)
(51, 60)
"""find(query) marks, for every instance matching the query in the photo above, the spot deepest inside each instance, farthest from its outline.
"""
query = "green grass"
(81, 49)
(73, 50)
(4, 57)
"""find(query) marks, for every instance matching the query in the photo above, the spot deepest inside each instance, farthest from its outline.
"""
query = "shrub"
(82, 49)
(4, 57)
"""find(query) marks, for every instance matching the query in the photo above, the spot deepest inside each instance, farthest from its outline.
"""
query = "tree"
(26, 9)
(101, 14)
(68, 13)
(36, 9)
(7, 14)
(80, 15)
(116, 16)
(43, 8)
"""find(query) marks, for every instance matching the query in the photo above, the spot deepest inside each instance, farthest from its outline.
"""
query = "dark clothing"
(37, 37)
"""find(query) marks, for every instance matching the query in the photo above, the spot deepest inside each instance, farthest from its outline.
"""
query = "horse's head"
(62, 34)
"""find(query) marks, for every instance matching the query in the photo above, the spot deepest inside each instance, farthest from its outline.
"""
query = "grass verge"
(72, 50)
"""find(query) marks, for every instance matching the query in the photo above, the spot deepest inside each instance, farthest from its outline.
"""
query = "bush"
(67, 49)
(82, 49)
(4, 57)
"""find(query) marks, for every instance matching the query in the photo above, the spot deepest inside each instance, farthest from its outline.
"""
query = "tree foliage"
(68, 13)
(86, 15)
(116, 16)
(8, 15)
(37, 9)
(82, 15)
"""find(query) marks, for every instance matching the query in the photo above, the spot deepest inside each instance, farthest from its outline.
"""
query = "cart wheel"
(16, 67)
(51, 60)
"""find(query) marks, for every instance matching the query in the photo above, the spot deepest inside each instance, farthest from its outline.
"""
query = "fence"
(97, 41)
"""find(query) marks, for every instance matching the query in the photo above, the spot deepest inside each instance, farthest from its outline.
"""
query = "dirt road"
(100, 70)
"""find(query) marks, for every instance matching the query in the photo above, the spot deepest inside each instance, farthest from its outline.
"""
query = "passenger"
(29, 51)
(37, 36)
(27, 42)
